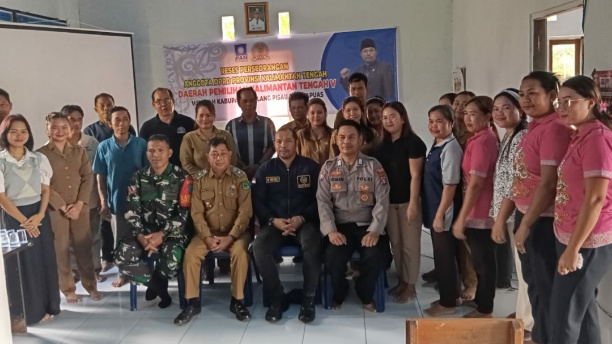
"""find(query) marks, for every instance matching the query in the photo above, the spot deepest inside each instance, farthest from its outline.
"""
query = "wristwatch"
(271, 221)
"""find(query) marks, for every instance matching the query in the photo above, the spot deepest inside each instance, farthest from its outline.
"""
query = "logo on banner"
(260, 51)
(241, 52)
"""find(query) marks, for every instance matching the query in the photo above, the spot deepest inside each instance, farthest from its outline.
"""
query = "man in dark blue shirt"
(102, 130)
(253, 134)
(167, 122)
(284, 200)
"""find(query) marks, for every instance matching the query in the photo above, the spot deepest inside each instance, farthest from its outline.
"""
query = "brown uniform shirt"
(194, 149)
(293, 125)
(317, 150)
(72, 176)
(221, 206)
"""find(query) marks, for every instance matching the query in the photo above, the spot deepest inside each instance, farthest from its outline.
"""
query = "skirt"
(38, 267)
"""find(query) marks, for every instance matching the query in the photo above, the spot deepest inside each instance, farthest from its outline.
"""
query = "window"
(9, 15)
(565, 57)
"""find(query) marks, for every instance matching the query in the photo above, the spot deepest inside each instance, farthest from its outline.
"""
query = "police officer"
(156, 222)
(284, 198)
(353, 201)
(221, 209)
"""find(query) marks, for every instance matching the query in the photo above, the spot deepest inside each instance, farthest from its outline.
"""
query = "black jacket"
(282, 192)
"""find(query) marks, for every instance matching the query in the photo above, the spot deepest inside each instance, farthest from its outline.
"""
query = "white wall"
(424, 36)
(568, 24)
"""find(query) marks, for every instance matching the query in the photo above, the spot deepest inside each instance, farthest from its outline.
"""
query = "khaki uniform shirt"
(72, 176)
(194, 149)
(221, 206)
(359, 195)
(317, 150)
(294, 126)
(90, 144)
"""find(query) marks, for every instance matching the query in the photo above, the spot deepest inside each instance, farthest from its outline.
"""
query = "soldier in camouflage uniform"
(156, 222)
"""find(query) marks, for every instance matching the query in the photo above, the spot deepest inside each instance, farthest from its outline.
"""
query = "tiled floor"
(110, 320)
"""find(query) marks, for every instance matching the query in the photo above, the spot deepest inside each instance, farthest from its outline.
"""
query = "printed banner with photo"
(603, 79)
(317, 64)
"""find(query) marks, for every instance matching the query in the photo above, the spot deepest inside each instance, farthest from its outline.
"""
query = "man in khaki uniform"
(353, 201)
(221, 209)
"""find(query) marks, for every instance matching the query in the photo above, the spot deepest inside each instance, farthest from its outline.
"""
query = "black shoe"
(187, 314)
(307, 310)
(278, 259)
(151, 294)
(430, 277)
(276, 310)
(298, 259)
(242, 312)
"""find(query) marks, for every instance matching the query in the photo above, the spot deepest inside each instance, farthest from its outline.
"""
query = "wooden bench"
(464, 331)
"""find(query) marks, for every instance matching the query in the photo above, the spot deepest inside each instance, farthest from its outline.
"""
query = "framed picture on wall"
(256, 15)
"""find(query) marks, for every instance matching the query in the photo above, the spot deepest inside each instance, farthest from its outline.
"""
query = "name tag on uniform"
(364, 179)
(274, 179)
(303, 181)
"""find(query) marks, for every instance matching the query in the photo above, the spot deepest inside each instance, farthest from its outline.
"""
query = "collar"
(372, 65)
(85, 140)
(201, 134)
(587, 128)
(481, 133)
(54, 148)
(445, 141)
(102, 125)
(543, 121)
(130, 137)
(174, 118)
(228, 172)
(166, 172)
(308, 131)
(242, 120)
(6, 155)
(359, 162)
(282, 164)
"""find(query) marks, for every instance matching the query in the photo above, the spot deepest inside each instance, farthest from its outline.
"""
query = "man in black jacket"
(284, 199)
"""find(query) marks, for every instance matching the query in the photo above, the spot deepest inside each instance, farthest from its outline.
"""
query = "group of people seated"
(185, 188)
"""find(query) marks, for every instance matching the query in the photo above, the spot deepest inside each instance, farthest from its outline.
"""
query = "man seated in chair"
(284, 198)
(353, 201)
(221, 209)
(156, 221)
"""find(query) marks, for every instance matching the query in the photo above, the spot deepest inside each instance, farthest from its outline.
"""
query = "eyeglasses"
(566, 103)
(163, 101)
(221, 156)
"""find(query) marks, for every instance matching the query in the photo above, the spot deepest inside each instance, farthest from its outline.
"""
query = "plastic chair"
(133, 287)
(379, 291)
(209, 263)
(289, 250)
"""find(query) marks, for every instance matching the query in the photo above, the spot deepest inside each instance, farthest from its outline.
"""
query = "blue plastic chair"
(379, 291)
(289, 250)
(133, 287)
(209, 263)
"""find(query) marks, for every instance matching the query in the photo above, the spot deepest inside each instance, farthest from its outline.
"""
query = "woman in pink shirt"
(473, 222)
(533, 191)
(583, 215)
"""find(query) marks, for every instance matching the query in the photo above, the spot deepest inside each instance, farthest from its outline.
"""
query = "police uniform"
(220, 206)
(354, 202)
(153, 206)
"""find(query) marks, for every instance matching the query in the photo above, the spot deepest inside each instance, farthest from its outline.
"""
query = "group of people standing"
(185, 188)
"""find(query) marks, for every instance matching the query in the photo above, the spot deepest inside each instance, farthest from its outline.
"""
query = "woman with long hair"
(70, 191)
(353, 109)
(583, 215)
(534, 186)
(442, 198)
(473, 223)
(24, 195)
(401, 154)
(508, 115)
(314, 140)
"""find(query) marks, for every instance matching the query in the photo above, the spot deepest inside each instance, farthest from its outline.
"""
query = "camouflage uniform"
(153, 206)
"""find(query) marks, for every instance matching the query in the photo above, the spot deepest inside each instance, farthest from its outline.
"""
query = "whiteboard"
(44, 68)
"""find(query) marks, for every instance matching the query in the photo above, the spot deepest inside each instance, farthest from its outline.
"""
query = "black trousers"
(539, 264)
(573, 312)
(108, 241)
(269, 239)
(446, 267)
(373, 261)
(505, 263)
(484, 253)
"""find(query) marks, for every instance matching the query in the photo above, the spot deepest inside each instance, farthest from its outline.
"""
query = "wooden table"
(14, 288)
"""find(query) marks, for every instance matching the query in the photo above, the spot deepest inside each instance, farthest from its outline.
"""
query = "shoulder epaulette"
(201, 173)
